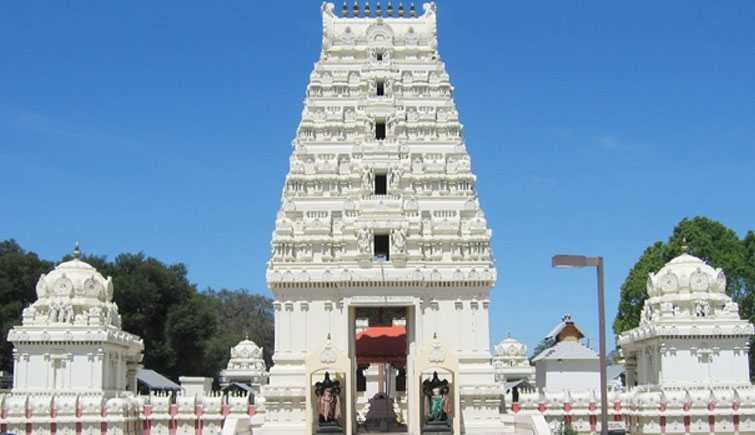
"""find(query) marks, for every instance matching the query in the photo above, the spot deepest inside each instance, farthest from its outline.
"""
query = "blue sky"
(165, 127)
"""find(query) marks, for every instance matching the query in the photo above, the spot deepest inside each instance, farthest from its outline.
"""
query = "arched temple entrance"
(381, 352)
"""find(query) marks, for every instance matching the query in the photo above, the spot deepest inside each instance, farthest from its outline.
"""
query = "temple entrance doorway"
(381, 349)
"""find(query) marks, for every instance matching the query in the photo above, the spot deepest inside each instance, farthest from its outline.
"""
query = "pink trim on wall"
(198, 424)
(147, 424)
(224, 411)
(173, 424)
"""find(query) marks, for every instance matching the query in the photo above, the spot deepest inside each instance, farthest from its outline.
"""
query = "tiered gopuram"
(379, 209)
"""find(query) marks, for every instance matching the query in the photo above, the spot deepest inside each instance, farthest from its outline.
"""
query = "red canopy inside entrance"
(382, 344)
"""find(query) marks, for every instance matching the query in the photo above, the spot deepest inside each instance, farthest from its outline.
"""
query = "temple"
(381, 271)
(380, 221)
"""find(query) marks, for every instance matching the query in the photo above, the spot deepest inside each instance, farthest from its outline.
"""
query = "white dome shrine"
(686, 274)
(687, 287)
(510, 361)
(70, 338)
(246, 366)
(74, 292)
(690, 333)
(246, 356)
(511, 350)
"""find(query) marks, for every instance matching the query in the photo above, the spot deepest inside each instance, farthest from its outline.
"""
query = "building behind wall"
(568, 364)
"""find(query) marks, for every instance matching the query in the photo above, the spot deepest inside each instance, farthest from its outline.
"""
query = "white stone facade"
(64, 413)
(567, 365)
(511, 363)
(687, 363)
(246, 366)
(379, 162)
(70, 338)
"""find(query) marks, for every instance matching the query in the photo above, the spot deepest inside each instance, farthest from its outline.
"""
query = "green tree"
(545, 343)
(242, 314)
(158, 303)
(185, 332)
(19, 272)
(634, 288)
(189, 327)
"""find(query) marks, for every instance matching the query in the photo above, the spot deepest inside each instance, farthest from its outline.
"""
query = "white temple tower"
(379, 210)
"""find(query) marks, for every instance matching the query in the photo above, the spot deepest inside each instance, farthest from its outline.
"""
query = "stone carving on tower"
(379, 208)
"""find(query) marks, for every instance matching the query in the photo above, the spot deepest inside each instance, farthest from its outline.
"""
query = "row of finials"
(378, 10)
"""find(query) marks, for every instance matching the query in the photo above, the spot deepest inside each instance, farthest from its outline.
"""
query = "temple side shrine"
(380, 222)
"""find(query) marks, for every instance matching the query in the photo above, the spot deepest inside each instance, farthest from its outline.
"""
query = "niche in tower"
(380, 129)
(381, 184)
(382, 246)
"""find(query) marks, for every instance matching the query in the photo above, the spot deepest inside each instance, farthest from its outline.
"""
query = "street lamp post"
(578, 262)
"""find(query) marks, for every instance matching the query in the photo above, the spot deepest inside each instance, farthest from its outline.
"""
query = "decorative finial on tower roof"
(566, 318)
(401, 10)
(328, 336)
(366, 9)
(685, 248)
(76, 252)
(412, 11)
(509, 334)
(389, 9)
(435, 335)
(356, 8)
(345, 10)
(246, 336)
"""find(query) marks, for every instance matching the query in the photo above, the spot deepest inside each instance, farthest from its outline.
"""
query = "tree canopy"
(185, 331)
(19, 272)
